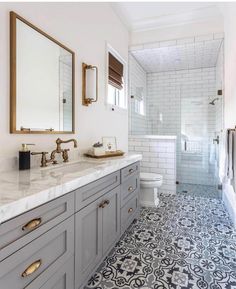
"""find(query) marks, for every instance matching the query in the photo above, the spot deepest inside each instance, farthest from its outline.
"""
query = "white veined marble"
(21, 191)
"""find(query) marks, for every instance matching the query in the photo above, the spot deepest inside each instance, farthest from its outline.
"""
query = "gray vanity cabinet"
(62, 279)
(88, 241)
(17, 232)
(46, 254)
(60, 244)
(97, 227)
(111, 220)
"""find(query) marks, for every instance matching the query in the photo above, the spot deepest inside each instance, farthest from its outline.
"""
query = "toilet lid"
(150, 177)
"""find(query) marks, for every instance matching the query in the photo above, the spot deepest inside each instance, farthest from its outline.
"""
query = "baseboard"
(147, 204)
(229, 199)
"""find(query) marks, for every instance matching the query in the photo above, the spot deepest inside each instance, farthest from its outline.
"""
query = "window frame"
(138, 101)
(115, 107)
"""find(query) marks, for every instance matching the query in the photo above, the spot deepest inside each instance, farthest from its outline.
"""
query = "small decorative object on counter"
(105, 150)
(98, 149)
(109, 144)
(24, 157)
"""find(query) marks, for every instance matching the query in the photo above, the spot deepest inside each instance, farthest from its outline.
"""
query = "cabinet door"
(88, 241)
(110, 219)
(63, 278)
(46, 253)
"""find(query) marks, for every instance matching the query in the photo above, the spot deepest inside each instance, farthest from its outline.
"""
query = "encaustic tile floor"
(187, 242)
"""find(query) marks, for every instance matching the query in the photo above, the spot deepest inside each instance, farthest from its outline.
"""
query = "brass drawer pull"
(131, 171)
(130, 189)
(104, 204)
(32, 268)
(32, 224)
(130, 210)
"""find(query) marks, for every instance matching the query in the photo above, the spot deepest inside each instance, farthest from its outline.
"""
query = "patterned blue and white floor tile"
(199, 190)
(188, 242)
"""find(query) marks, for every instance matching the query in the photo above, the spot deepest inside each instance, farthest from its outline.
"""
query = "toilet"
(149, 184)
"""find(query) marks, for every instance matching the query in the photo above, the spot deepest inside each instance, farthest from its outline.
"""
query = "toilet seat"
(150, 177)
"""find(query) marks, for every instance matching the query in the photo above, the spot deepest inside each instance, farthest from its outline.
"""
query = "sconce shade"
(89, 84)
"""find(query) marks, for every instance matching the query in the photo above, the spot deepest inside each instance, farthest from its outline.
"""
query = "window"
(116, 80)
(139, 101)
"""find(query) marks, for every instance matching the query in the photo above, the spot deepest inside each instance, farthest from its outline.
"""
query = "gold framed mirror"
(41, 81)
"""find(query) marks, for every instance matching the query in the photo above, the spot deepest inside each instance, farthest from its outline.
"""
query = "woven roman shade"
(116, 71)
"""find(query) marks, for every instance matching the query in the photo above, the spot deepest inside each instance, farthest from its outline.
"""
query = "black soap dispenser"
(24, 157)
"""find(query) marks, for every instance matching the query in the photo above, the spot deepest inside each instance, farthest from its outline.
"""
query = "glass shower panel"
(197, 130)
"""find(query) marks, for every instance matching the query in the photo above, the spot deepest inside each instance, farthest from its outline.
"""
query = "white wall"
(176, 32)
(85, 28)
(229, 12)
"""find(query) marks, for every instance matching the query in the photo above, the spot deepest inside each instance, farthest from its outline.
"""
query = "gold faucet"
(44, 160)
(58, 150)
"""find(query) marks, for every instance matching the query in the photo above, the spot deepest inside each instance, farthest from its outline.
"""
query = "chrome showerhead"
(213, 101)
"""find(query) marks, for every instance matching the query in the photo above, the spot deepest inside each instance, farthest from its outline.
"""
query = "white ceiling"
(188, 56)
(151, 15)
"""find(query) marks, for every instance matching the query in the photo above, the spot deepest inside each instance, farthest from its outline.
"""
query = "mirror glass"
(43, 82)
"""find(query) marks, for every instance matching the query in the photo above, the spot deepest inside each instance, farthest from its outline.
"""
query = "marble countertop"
(21, 191)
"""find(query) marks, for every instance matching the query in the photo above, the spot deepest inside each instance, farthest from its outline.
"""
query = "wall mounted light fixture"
(89, 84)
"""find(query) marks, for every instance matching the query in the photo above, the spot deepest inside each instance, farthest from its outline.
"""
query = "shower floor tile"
(188, 242)
(199, 190)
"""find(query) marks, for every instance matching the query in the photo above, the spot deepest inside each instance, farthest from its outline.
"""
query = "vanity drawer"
(128, 213)
(52, 248)
(57, 278)
(95, 190)
(129, 171)
(17, 232)
(129, 189)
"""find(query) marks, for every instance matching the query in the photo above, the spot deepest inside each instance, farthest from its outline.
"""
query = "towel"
(233, 181)
(223, 156)
(230, 154)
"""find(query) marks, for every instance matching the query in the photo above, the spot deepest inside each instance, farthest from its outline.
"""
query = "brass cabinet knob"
(104, 204)
(130, 210)
(32, 224)
(130, 189)
(32, 268)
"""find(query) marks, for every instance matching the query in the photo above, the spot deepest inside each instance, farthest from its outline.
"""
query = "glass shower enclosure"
(184, 99)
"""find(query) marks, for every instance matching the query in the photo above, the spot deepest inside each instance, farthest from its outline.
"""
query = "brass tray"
(106, 155)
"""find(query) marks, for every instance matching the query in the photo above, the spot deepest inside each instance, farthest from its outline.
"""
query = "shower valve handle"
(217, 140)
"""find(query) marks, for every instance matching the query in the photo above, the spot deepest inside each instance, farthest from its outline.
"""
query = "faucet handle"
(39, 153)
(43, 159)
(65, 155)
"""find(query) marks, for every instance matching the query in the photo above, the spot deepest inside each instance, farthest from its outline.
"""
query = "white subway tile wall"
(219, 86)
(159, 156)
(176, 102)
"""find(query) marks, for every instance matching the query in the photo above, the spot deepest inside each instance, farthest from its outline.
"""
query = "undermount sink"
(72, 167)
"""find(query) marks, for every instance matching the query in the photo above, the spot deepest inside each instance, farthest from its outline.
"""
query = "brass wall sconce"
(89, 84)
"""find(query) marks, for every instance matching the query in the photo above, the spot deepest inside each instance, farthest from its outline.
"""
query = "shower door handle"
(216, 140)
